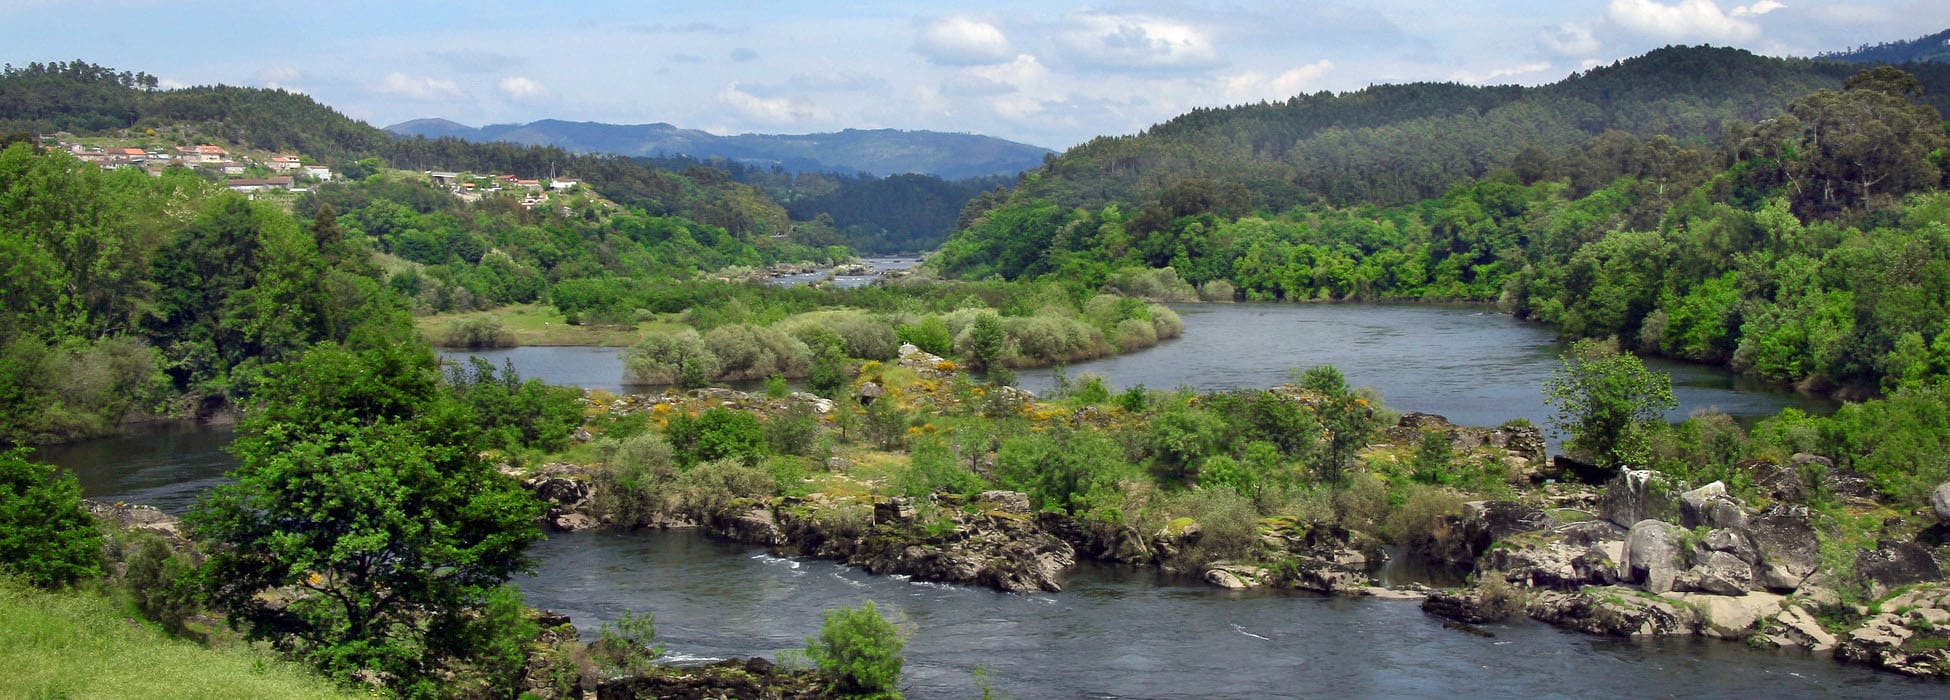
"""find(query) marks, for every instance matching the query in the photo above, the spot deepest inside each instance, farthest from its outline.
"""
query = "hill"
(1934, 48)
(872, 151)
(1393, 144)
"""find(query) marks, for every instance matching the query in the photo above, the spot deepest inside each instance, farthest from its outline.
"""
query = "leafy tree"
(45, 536)
(860, 650)
(1605, 399)
(1347, 419)
(717, 433)
(362, 502)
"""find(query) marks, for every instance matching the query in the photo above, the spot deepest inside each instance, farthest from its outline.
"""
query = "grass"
(535, 324)
(80, 644)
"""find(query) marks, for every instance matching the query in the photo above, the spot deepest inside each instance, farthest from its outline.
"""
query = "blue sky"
(1052, 73)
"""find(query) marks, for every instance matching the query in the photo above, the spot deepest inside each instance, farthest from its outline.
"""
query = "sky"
(1051, 73)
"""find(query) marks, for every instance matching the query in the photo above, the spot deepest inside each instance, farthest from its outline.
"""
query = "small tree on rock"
(1606, 400)
(860, 650)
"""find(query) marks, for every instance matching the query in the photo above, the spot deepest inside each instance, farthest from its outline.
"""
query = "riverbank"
(1635, 555)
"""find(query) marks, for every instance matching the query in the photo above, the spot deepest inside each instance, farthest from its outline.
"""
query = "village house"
(280, 182)
(202, 154)
(318, 172)
(284, 164)
(562, 183)
(442, 178)
(230, 167)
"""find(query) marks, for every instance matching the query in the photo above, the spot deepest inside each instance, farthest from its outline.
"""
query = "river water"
(1117, 633)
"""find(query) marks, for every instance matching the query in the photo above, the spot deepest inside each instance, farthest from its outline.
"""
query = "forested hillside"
(1396, 144)
(879, 152)
(1932, 48)
(81, 97)
(1810, 246)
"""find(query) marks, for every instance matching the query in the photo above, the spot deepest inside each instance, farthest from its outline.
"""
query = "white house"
(320, 172)
(284, 163)
(561, 184)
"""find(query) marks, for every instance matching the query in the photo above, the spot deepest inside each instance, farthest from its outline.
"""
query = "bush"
(717, 433)
(930, 334)
(45, 536)
(1228, 526)
(794, 432)
(633, 485)
(1159, 284)
(1216, 290)
(476, 331)
(859, 650)
(747, 352)
(865, 337)
(671, 358)
(626, 645)
(934, 469)
(711, 487)
(1420, 511)
(160, 582)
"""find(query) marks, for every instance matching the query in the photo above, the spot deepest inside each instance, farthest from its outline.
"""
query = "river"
(1115, 632)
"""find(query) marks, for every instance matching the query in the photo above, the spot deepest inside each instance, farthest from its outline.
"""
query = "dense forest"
(1398, 144)
(1807, 247)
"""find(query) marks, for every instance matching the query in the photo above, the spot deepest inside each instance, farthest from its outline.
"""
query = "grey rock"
(1733, 542)
(1720, 574)
(1638, 494)
(1652, 555)
(1785, 542)
(1940, 502)
(1893, 564)
(1710, 506)
(1005, 501)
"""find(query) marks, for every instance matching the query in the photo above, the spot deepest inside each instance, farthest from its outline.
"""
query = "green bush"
(627, 645)
(710, 487)
(160, 582)
(864, 336)
(476, 331)
(794, 432)
(934, 469)
(671, 358)
(634, 484)
(930, 334)
(45, 536)
(859, 650)
(747, 352)
(717, 433)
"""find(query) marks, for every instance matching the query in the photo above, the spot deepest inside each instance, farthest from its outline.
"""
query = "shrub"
(776, 387)
(930, 334)
(865, 337)
(749, 352)
(1159, 284)
(1228, 526)
(1089, 389)
(794, 432)
(1134, 334)
(934, 469)
(717, 433)
(1216, 290)
(476, 331)
(1166, 322)
(633, 485)
(626, 645)
(45, 536)
(160, 582)
(710, 487)
(859, 650)
(1420, 511)
(671, 358)
(1073, 471)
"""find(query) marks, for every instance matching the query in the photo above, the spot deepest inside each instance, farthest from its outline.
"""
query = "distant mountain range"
(873, 151)
(1934, 48)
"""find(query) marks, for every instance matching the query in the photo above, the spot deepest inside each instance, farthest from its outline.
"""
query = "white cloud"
(962, 41)
(1254, 85)
(1683, 20)
(773, 110)
(1136, 43)
(1757, 9)
(523, 89)
(417, 88)
(1568, 39)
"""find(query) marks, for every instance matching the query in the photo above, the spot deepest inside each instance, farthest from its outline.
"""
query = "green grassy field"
(534, 324)
(78, 644)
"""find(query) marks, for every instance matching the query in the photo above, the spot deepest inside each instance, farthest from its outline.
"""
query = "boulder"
(573, 522)
(1883, 641)
(1652, 555)
(1785, 542)
(1552, 564)
(1501, 519)
(1710, 506)
(895, 509)
(1730, 617)
(1470, 606)
(1589, 532)
(1571, 469)
(1734, 542)
(1720, 574)
(1796, 627)
(1940, 502)
(558, 490)
(1235, 576)
(754, 526)
(1005, 501)
(1779, 482)
(1613, 611)
(1853, 487)
(1893, 564)
(1638, 494)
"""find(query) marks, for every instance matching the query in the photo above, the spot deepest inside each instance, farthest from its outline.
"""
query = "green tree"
(860, 650)
(362, 530)
(1606, 399)
(1347, 419)
(45, 536)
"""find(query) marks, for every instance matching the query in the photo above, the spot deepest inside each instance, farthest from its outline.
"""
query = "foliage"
(717, 433)
(1068, 470)
(360, 491)
(627, 644)
(45, 536)
(160, 581)
(1607, 401)
(514, 413)
(860, 650)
